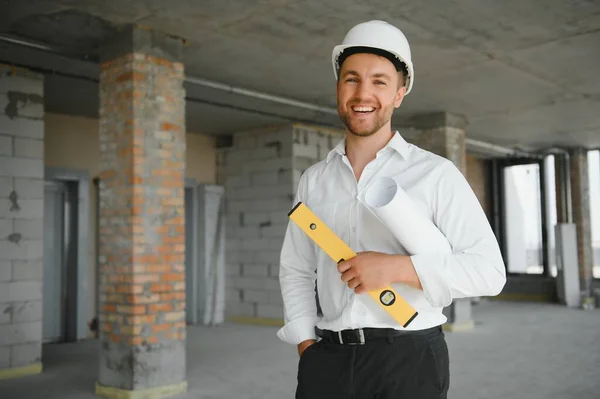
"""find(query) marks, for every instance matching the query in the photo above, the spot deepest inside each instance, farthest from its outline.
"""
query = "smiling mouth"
(362, 110)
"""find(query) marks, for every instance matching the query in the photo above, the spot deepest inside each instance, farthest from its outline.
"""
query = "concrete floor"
(517, 350)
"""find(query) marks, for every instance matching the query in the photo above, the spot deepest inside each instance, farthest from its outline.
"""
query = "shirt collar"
(396, 143)
(340, 149)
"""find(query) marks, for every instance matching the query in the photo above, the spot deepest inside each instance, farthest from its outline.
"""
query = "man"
(362, 351)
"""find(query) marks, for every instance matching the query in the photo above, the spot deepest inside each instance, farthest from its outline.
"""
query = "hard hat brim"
(337, 50)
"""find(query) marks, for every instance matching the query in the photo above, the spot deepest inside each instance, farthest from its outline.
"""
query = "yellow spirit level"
(337, 249)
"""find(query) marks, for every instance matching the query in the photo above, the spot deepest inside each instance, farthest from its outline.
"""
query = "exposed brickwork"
(260, 173)
(142, 223)
(580, 199)
(142, 239)
(21, 217)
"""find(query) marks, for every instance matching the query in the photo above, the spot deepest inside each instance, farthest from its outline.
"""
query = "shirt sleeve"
(297, 276)
(475, 267)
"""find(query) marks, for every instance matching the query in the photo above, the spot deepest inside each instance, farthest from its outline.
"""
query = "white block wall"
(260, 173)
(21, 217)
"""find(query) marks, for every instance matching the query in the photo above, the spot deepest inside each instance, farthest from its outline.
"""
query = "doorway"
(205, 254)
(66, 295)
(60, 261)
(191, 293)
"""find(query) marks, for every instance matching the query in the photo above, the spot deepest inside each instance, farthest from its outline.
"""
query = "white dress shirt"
(329, 188)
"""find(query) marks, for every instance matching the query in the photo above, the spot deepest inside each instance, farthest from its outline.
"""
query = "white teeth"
(363, 109)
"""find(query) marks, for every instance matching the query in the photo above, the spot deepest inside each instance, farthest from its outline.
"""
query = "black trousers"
(407, 366)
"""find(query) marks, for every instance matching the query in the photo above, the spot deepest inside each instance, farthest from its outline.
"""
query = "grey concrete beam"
(135, 39)
(433, 120)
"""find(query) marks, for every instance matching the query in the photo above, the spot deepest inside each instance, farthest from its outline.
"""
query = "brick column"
(21, 221)
(260, 172)
(141, 248)
(444, 134)
(580, 200)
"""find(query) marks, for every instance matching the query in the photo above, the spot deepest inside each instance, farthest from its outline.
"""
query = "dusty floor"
(517, 350)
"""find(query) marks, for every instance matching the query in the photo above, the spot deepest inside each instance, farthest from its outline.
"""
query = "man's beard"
(362, 129)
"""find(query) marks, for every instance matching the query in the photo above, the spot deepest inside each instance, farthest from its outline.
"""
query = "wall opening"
(523, 219)
(66, 258)
(60, 293)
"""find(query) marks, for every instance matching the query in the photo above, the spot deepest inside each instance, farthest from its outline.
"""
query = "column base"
(459, 315)
(18, 372)
(588, 302)
(597, 297)
(458, 327)
(150, 393)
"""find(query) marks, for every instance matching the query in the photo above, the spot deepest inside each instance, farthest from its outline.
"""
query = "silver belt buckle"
(361, 335)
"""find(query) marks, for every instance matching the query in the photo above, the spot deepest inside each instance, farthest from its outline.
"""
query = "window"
(523, 219)
(551, 213)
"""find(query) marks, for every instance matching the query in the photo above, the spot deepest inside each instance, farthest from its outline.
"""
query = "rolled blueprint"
(396, 210)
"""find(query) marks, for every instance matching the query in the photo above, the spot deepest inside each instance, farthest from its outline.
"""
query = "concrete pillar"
(141, 223)
(21, 221)
(573, 206)
(260, 172)
(580, 202)
(444, 134)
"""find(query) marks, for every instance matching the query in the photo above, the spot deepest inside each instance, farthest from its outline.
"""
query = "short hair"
(398, 64)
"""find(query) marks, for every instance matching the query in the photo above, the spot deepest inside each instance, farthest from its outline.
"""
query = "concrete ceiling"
(524, 72)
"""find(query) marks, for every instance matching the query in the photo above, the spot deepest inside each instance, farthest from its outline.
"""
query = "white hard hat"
(377, 35)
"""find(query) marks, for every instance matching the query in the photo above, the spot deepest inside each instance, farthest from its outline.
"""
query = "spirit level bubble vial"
(337, 249)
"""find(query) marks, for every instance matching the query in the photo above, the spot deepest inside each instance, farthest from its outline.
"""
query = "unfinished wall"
(260, 173)
(21, 221)
(72, 142)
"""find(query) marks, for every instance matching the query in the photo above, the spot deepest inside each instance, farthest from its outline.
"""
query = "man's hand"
(305, 344)
(369, 271)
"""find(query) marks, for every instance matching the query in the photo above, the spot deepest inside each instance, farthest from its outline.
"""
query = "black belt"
(360, 336)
